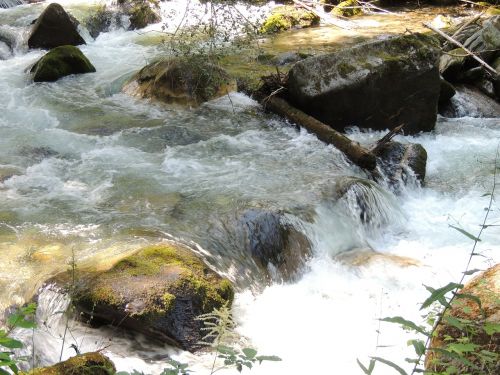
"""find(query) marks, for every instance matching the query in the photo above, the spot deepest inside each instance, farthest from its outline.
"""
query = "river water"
(91, 173)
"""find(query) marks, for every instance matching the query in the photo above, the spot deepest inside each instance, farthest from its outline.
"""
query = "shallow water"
(89, 172)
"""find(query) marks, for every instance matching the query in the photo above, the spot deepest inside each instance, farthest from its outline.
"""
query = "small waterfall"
(5, 4)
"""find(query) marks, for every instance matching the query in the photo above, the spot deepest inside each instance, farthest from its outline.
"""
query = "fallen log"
(352, 150)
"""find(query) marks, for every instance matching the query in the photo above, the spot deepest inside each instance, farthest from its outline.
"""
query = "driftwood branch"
(469, 52)
(387, 138)
(352, 150)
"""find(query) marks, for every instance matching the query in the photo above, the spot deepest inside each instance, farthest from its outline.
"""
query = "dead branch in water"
(485, 65)
(387, 138)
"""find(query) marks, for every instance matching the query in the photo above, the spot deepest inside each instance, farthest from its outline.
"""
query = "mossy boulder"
(60, 62)
(287, 17)
(158, 291)
(54, 28)
(184, 81)
(141, 12)
(378, 85)
(482, 324)
(83, 364)
(402, 163)
(347, 8)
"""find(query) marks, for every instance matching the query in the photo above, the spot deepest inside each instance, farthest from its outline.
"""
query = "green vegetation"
(287, 17)
(22, 318)
(347, 8)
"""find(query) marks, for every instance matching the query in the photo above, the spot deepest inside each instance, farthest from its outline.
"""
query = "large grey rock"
(54, 28)
(376, 85)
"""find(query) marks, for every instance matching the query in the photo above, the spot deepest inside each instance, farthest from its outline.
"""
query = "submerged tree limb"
(352, 150)
(469, 52)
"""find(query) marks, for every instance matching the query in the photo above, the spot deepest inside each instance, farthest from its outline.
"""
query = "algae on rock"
(60, 62)
(157, 291)
(287, 17)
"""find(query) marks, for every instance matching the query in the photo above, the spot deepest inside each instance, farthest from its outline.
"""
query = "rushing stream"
(89, 172)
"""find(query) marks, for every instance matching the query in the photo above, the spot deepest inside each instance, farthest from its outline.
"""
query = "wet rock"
(83, 364)
(376, 85)
(287, 17)
(452, 63)
(399, 161)
(54, 28)
(470, 101)
(365, 200)
(188, 82)
(141, 12)
(60, 62)
(7, 172)
(486, 288)
(447, 91)
(158, 291)
(102, 20)
(8, 41)
(368, 257)
(286, 58)
(272, 241)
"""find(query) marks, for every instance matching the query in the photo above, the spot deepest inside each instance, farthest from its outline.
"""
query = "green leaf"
(472, 272)
(390, 364)
(405, 323)
(419, 346)
(491, 328)
(7, 342)
(454, 322)
(226, 350)
(462, 348)
(273, 358)
(465, 233)
(249, 352)
(370, 368)
(456, 356)
(3, 372)
(439, 294)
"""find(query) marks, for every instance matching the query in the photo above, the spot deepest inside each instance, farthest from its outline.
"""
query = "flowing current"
(91, 173)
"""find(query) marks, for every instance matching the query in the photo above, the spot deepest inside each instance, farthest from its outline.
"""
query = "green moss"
(60, 62)
(84, 364)
(286, 17)
(168, 301)
(347, 9)
(344, 69)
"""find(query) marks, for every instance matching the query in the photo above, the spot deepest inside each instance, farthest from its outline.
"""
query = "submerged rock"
(54, 28)
(287, 17)
(187, 82)
(485, 287)
(367, 257)
(60, 62)
(376, 85)
(158, 291)
(272, 241)
(399, 161)
(83, 364)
